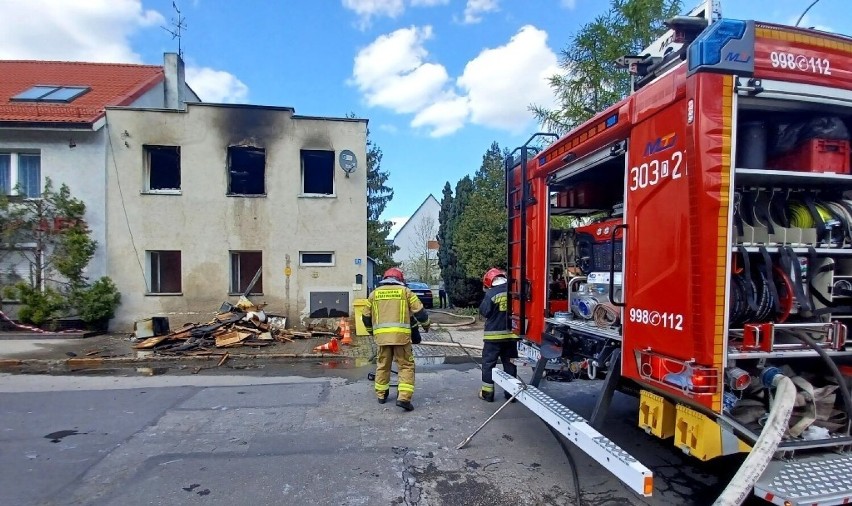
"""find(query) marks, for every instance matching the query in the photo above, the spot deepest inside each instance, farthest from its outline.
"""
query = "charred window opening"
(162, 164)
(246, 167)
(317, 172)
(164, 271)
(244, 265)
(329, 304)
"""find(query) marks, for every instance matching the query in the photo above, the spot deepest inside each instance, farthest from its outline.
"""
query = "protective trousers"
(404, 358)
(503, 350)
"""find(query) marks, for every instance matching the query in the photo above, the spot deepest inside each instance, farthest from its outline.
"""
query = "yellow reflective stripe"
(413, 300)
(382, 387)
(500, 335)
(392, 324)
(487, 388)
(405, 387)
(500, 301)
(392, 330)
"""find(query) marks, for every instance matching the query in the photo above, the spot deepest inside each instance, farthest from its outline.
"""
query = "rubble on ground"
(243, 324)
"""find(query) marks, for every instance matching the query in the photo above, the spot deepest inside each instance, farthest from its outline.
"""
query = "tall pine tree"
(378, 196)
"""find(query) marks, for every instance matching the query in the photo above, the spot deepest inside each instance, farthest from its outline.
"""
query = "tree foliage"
(591, 81)
(480, 237)
(462, 291)
(50, 236)
(378, 196)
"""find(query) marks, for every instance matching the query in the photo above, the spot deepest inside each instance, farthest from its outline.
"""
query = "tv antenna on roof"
(178, 24)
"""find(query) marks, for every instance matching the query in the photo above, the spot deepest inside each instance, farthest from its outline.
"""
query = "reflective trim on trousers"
(498, 335)
(382, 387)
(487, 388)
(405, 387)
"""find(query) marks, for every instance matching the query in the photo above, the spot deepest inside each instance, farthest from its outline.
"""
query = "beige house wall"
(205, 224)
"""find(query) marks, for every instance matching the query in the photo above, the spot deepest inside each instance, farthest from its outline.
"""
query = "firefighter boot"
(486, 395)
(383, 398)
(406, 405)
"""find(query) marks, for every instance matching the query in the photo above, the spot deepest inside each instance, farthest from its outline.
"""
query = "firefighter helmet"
(494, 276)
(394, 273)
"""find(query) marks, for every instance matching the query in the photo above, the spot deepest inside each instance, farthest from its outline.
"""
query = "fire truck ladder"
(518, 197)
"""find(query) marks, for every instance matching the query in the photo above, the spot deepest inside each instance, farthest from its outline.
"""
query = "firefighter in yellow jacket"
(388, 318)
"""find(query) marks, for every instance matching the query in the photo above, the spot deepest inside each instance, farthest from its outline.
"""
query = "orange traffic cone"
(345, 331)
(331, 346)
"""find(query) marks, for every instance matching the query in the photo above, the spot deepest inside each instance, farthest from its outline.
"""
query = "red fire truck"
(708, 255)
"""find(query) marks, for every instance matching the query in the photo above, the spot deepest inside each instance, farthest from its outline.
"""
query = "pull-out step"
(814, 480)
(571, 425)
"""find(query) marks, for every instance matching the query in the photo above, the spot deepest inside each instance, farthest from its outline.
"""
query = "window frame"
(15, 171)
(302, 262)
(149, 272)
(146, 161)
(236, 254)
(228, 152)
(305, 194)
(48, 90)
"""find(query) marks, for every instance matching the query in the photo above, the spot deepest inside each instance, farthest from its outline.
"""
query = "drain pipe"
(767, 443)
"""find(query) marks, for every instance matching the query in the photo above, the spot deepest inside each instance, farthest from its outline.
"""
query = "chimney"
(175, 81)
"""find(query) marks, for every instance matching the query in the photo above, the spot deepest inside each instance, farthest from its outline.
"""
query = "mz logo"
(660, 144)
(738, 57)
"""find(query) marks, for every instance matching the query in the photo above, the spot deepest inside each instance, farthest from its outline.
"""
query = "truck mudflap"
(575, 428)
(814, 480)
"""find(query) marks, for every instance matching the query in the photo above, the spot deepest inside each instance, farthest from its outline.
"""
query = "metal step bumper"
(571, 425)
(817, 480)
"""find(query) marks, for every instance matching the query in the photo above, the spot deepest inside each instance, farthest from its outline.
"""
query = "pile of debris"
(243, 324)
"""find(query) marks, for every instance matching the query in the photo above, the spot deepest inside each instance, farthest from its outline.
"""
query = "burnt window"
(164, 271)
(329, 304)
(317, 172)
(246, 170)
(244, 266)
(162, 168)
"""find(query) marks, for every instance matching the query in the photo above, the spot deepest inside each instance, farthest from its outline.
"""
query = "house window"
(164, 271)
(244, 266)
(329, 304)
(16, 266)
(246, 170)
(162, 168)
(58, 94)
(317, 172)
(20, 174)
(316, 258)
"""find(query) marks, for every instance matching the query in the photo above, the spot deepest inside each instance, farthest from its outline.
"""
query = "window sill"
(240, 294)
(316, 265)
(317, 196)
(247, 195)
(161, 192)
(157, 294)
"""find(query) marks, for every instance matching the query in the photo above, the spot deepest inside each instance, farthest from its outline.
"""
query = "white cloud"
(216, 85)
(428, 3)
(500, 98)
(368, 9)
(569, 4)
(93, 31)
(387, 127)
(393, 73)
(475, 8)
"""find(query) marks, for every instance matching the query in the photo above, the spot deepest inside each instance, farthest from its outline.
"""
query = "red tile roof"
(110, 83)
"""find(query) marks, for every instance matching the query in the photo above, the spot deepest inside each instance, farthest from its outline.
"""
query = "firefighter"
(499, 341)
(387, 318)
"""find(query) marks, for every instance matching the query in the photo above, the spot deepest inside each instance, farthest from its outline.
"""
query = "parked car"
(424, 293)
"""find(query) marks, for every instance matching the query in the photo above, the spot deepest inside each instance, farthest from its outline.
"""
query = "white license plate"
(528, 352)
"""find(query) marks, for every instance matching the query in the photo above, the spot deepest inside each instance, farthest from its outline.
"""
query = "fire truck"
(703, 255)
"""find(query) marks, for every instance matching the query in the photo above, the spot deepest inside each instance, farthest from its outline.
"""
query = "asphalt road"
(309, 435)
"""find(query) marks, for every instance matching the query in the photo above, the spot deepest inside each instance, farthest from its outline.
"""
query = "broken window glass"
(163, 167)
(329, 304)
(317, 172)
(165, 271)
(246, 166)
(244, 265)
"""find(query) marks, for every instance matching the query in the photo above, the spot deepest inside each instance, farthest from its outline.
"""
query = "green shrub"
(37, 306)
(97, 302)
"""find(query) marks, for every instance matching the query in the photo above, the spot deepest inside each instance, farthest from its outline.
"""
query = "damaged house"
(202, 199)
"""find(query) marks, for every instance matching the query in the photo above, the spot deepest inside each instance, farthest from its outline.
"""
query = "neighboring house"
(417, 242)
(199, 199)
(52, 125)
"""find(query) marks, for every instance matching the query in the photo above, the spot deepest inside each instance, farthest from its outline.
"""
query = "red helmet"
(394, 273)
(491, 275)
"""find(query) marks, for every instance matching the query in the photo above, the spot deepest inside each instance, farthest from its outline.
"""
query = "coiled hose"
(765, 447)
(606, 315)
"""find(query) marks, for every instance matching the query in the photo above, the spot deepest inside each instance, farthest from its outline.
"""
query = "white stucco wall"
(408, 238)
(205, 224)
(80, 167)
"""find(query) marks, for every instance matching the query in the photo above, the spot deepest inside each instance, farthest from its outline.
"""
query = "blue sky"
(439, 80)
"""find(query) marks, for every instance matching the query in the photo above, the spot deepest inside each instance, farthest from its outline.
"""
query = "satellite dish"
(348, 161)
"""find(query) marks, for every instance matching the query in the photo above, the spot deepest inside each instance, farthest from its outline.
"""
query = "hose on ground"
(573, 465)
(764, 448)
(461, 324)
